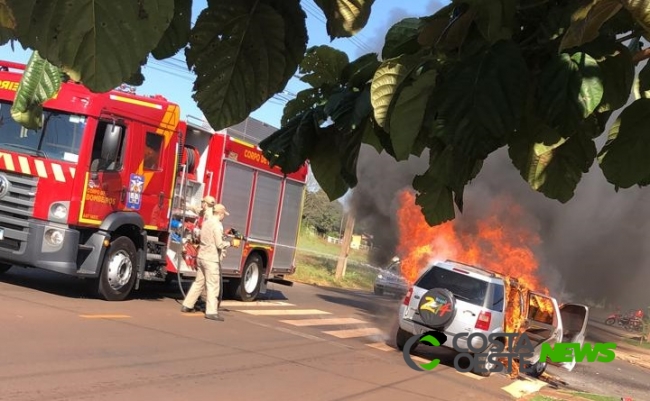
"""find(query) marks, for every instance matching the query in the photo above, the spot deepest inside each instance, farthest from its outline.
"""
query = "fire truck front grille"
(16, 208)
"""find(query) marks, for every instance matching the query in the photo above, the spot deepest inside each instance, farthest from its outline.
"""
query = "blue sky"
(171, 78)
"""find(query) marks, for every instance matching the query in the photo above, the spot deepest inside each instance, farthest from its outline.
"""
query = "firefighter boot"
(214, 317)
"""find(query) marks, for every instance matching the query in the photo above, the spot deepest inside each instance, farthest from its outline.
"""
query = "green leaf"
(295, 35)
(570, 89)
(455, 33)
(98, 42)
(290, 146)
(640, 11)
(6, 35)
(136, 79)
(345, 17)
(550, 163)
(323, 65)
(386, 84)
(435, 25)
(444, 180)
(587, 21)
(305, 100)
(643, 84)
(369, 135)
(402, 38)
(242, 53)
(624, 158)
(495, 18)
(7, 20)
(178, 32)
(327, 170)
(40, 81)
(407, 116)
(480, 100)
(617, 72)
(435, 196)
(360, 71)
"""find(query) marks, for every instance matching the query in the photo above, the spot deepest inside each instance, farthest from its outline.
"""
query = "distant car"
(390, 280)
(476, 302)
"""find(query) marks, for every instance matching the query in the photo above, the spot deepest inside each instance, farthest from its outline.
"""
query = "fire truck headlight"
(59, 211)
(53, 236)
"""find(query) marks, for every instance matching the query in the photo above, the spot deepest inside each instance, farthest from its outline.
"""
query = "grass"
(572, 394)
(630, 341)
(595, 397)
(312, 244)
(316, 261)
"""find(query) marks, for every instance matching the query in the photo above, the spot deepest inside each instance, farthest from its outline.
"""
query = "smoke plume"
(596, 246)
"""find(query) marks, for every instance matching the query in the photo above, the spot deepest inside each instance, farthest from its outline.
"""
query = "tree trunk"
(342, 263)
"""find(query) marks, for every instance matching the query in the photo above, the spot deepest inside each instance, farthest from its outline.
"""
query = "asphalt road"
(303, 342)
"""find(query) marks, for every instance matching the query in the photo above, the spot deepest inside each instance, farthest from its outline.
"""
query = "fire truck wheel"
(249, 285)
(119, 271)
(4, 267)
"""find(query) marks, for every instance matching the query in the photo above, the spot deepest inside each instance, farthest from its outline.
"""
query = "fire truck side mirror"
(111, 143)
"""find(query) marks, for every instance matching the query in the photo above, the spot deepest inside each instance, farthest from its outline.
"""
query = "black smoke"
(595, 247)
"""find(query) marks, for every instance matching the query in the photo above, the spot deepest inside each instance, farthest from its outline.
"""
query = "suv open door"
(574, 326)
(543, 324)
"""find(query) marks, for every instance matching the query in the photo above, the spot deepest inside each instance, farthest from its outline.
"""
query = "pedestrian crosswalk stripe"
(105, 316)
(322, 322)
(381, 346)
(351, 333)
(280, 312)
(230, 303)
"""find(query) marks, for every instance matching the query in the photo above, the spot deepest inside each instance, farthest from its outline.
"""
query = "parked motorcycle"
(629, 321)
(613, 319)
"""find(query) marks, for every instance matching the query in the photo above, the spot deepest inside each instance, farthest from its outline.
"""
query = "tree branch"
(640, 56)
(628, 37)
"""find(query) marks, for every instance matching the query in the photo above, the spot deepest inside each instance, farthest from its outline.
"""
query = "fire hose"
(232, 236)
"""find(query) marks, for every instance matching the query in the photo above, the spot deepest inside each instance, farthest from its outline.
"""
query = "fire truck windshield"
(59, 138)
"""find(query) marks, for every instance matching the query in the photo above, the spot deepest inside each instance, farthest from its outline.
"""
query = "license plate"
(2, 233)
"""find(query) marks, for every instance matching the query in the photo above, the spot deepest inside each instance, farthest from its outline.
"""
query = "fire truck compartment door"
(574, 326)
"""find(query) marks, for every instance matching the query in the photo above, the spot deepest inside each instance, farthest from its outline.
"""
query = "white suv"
(469, 299)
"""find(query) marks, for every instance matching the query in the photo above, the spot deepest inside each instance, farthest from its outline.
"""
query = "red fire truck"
(107, 190)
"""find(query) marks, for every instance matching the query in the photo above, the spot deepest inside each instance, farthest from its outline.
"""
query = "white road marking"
(258, 303)
(280, 312)
(381, 346)
(352, 333)
(322, 322)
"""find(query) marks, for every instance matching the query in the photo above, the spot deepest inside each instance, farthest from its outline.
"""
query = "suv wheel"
(482, 364)
(401, 338)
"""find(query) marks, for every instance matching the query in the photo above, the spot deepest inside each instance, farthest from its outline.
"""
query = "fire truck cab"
(109, 187)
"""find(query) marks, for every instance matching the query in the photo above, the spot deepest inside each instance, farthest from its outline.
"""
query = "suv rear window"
(464, 287)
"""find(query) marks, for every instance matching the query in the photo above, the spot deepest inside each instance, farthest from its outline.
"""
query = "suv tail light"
(483, 321)
(407, 298)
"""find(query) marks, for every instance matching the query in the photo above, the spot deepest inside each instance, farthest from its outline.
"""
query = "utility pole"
(345, 247)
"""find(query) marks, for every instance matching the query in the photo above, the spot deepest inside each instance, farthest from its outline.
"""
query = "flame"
(499, 242)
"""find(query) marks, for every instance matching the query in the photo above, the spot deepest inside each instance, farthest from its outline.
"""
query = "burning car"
(478, 300)
(390, 280)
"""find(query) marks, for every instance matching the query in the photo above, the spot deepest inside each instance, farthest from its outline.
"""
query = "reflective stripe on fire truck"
(136, 102)
(40, 168)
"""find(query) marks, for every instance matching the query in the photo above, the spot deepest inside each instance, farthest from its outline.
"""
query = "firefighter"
(211, 252)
